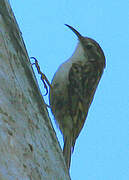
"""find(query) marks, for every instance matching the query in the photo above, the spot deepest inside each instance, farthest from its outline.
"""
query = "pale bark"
(29, 149)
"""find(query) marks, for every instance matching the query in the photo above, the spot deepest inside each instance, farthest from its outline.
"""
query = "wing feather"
(83, 81)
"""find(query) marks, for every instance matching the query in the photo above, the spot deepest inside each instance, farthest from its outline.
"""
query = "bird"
(73, 88)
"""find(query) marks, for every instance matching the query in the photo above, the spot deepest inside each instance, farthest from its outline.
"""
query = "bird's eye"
(89, 46)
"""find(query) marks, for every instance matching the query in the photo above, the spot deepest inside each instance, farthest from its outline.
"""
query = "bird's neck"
(78, 54)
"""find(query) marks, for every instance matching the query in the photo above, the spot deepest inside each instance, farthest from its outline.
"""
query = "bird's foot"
(43, 77)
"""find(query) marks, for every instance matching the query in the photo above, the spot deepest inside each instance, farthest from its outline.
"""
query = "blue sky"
(102, 149)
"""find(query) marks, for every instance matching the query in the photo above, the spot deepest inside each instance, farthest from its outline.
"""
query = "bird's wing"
(83, 81)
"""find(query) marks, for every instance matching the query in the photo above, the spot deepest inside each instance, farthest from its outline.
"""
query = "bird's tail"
(67, 150)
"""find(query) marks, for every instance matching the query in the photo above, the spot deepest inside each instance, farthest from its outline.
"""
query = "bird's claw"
(43, 77)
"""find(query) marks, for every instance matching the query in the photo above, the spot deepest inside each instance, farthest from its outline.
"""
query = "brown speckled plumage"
(73, 88)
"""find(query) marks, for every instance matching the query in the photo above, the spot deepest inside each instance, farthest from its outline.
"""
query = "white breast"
(61, 75)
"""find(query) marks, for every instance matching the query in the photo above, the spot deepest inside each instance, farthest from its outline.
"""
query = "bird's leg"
(43, 77)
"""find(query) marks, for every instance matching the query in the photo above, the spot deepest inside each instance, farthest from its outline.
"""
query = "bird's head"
(90, 46)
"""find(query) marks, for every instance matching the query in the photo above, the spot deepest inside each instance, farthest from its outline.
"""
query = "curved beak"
(75, 31)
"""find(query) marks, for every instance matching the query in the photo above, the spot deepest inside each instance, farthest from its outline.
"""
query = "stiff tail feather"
(67, 150)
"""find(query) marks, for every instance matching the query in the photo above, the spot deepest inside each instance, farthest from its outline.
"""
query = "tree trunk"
(29, 149)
